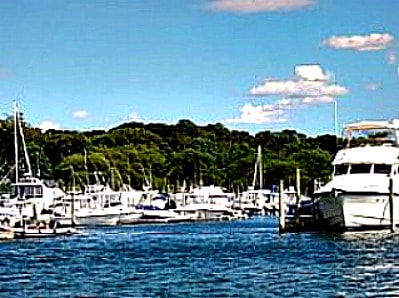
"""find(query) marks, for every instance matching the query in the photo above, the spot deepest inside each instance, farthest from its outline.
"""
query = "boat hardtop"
(369, 133)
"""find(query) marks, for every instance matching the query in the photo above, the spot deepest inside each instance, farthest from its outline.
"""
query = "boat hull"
(97, 220)
(33, 232)
(357, 211)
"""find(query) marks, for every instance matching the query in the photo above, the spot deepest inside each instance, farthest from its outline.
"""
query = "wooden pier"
(294, 221)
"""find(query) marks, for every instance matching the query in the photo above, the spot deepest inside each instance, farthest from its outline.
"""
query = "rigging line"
(25, 150)
(8, 173)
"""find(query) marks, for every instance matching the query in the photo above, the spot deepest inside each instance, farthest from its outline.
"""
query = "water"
(221, 259)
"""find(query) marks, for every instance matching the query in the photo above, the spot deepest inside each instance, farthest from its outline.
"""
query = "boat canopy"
(372, 125)
(372, 133)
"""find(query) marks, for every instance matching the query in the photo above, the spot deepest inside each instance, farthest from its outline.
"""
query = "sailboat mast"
(25, 150)
(16, 143)
(260, 167)
(255, 172)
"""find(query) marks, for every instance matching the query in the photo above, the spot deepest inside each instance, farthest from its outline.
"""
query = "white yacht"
(98, 205)
(257, 201)
(30, 196)
(33, 197)
(357, 197)
(207, 202)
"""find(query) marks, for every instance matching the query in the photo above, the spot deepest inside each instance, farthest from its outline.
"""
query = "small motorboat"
(27, 229)
(6, 234)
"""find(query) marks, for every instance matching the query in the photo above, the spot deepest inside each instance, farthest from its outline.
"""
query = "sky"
(252, 65)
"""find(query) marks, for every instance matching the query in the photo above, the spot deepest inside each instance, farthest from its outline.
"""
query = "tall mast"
(255, 172)
(16, 142)
(25, 150)
(260, 167)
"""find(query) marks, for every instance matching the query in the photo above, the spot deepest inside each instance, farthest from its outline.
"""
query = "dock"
(297, 218)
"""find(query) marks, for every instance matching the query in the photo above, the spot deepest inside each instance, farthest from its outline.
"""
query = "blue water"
(221, 259)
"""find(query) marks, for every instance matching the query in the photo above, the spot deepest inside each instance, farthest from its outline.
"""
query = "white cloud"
(134, 117)
(371, 42)
(311, 86)
(80, 114)
(311, 72)
(297, 88)
(47, 125)
(255, 6)
(258, 114)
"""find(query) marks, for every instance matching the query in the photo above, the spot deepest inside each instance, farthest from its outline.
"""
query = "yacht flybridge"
(357, 197)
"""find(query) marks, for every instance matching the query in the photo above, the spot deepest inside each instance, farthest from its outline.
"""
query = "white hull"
(97, 220)
(357, 211)
(30, 232)
(104, 217)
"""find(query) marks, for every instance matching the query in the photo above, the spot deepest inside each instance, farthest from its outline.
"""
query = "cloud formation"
(311, 72)
(80, 114)
(256, 6)
(311, 86)
(257, 114)
(47, 125)
(312, 81)
(371, 42)
(134, 117)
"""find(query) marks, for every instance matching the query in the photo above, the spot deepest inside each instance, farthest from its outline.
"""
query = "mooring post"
(281, 208)
(298, 193)
(73, 223)
(391, 205)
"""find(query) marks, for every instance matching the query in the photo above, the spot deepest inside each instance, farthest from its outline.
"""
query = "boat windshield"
(26, 191)
(370, 136)
(363, 168)
(341, 169)
(382, 169)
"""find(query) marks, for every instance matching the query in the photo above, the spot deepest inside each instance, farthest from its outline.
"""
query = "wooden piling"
(281, 208)
(391, 206)
(73, 223)
(298, 193)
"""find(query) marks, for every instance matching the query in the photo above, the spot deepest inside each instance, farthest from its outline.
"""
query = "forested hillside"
(167, 156)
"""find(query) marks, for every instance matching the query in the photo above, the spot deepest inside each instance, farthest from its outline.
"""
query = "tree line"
(168, 157)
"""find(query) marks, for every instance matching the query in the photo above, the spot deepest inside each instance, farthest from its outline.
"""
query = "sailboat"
(258, 201)
(31, 197)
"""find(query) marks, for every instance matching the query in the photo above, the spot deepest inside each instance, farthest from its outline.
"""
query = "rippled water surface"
(220, 259)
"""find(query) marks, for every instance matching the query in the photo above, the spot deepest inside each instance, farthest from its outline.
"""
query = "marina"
(203, 148)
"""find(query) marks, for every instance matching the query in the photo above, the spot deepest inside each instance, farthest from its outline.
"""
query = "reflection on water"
(225, 259)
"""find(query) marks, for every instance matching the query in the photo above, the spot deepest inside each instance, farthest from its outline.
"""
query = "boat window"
(31, 191)
(382, 169)
(26, 191)
(341, 169)
(14, 192)
(361, 168)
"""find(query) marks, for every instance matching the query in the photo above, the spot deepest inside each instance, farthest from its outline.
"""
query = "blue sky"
(252, 65)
